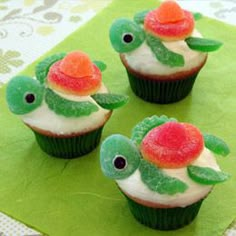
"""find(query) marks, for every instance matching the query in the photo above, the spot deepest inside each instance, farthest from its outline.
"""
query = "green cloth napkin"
(72, 197)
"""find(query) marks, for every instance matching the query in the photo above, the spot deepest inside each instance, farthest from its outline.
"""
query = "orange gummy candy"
(168, 12)
(77, 64)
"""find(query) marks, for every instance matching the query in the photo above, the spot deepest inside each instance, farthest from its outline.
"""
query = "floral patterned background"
(29, 28)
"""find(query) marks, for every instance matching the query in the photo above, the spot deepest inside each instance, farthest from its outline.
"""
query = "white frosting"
(46, 119)
(134, 186)
(144, 61)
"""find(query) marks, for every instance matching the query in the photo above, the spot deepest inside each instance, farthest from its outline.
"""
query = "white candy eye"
(128, 37)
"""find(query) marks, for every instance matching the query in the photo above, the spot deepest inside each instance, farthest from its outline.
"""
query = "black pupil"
(120, 163)
(30, 98)
(128, 38)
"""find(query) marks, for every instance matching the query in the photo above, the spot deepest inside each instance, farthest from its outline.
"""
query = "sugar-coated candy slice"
(77, 64)
(68, 108)
(203, 44)
(126, 35)
(169, 12)
(110, 101)
(101, 65)
(119, 157)
(206, 175)
(163, 54)
(140, 16)
(169, 31)
(172, 145)
(143, 127)
(158, 181)
(70, 85)
(42, 67)
(216, 145)
(24, 94)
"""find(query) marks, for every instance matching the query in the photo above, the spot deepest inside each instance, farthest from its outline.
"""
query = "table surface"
(30, 28)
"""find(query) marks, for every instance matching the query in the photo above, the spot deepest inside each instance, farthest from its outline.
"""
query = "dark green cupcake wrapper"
(164, 218)
(69, 147)
(161, 91)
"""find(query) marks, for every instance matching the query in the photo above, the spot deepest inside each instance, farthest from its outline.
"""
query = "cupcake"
(161, 51)
(165, 171)
(66, 106)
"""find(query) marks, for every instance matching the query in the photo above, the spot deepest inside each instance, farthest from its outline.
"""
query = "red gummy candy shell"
(70, 85)
(76, 64)
(172, 145)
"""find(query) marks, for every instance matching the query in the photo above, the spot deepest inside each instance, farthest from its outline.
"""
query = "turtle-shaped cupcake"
(66, 100)
(165, 165)
(162, 51)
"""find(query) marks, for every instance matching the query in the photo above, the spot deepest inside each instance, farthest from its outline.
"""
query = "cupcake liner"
(69, 147)
(164, 218)
(161, 91)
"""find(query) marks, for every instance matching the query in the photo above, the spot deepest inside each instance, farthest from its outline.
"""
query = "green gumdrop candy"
(197, 15)
(206, 175)
(163, 54)
(216, 145)
(24, 94)
(158, 181)
(101, 65)
(143, 127)
(110, 101)
(202, 44)
(42, 68)
(68, 108)
(140, 16)
(126, 35)
(119, 157)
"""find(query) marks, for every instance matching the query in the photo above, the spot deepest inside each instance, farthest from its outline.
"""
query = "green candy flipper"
(203, 44)
(143, 127)
(216, 145)
(110, 101)
(68, 108)
(206, 175)
(163, 54)
(158, 181)
(197, 15)
(42, 67)
(140, 16)
(101, 65)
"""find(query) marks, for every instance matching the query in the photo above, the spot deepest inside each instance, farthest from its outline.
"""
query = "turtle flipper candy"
(66, 106)
(165, 170)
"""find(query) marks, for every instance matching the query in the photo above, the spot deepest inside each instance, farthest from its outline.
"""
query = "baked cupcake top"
(67, 95)
(166, 162)
(163, 40)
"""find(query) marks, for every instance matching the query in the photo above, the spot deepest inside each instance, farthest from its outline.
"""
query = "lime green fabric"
(72, 197)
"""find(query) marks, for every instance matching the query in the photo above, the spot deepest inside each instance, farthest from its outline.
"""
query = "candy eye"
(119, 157)
(120, 162)
(24, 94)
(126, 35)
(29, 98)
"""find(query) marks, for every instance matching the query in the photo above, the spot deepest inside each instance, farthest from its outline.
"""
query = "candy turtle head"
(24, 94)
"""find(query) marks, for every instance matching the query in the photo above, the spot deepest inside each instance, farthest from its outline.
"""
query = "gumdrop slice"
(110, 101)
(68, 108)
(206, 175)
(172, 145)
(77, 64)
(158, 181)
(203, 44)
